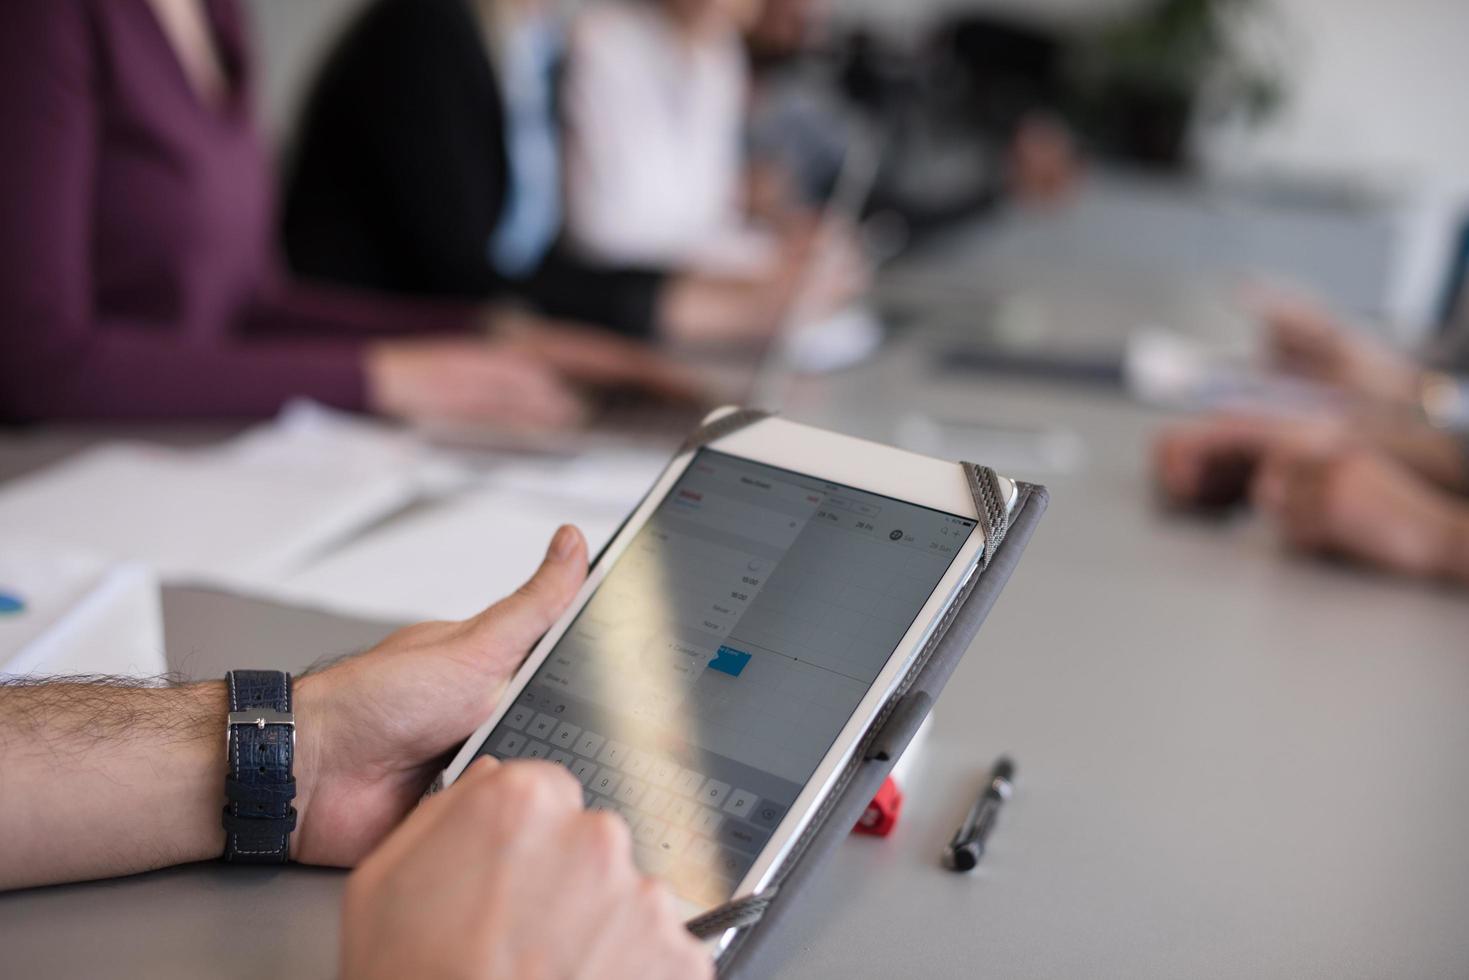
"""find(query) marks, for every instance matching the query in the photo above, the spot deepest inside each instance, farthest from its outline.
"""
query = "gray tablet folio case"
(776, 910)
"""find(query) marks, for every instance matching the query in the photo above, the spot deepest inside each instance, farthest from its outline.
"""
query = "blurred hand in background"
(817, 270)
(592, 359)
(1364, 506)
(1305, 339)
(528, 373)
(1387, 494)
(460, 380)
(1208, 464)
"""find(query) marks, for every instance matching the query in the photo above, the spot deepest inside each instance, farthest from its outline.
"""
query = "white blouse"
(654, 142)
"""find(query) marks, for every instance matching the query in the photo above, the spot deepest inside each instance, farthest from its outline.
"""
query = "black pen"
(964, 851)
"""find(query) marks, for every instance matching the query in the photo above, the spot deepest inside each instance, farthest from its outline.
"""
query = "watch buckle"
(260, 717)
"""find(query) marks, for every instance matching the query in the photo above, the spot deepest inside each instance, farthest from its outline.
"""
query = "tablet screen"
(709, 674)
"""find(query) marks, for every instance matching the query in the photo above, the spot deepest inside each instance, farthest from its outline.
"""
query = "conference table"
(1230, 761)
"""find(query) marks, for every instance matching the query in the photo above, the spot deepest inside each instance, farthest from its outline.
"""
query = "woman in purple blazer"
(138, 274)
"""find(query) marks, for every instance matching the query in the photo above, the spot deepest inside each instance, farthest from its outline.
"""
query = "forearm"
(295, 311)
(136, 370)
(99, 780)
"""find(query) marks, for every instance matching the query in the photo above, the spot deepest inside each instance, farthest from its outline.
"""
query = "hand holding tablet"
(736, 640)
(462, 889)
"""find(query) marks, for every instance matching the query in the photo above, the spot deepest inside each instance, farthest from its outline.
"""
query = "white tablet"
(735, 641)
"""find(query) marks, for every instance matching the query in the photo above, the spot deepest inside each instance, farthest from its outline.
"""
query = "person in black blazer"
(401, 178)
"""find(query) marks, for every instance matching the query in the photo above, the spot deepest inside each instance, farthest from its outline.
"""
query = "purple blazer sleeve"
(62, 358)
(296, 308)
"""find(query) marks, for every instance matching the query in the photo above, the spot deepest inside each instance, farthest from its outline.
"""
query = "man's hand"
(1306, 340)
(371, 731)
(1363, 506)
(374, 729)
(1210, 464)
(503, 875)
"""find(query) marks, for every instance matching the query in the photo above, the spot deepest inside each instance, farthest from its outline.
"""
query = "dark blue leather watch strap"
(258, 816)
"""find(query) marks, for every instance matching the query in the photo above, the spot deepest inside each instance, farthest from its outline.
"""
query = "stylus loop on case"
(732, 915)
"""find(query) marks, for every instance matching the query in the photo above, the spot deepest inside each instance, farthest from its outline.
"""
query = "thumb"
(517, 621)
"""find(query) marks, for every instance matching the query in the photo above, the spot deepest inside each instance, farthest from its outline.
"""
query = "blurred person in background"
(429, 162)
(656, 99)
(139, 277)
(800, 124)
(657, 117)
(970, 116)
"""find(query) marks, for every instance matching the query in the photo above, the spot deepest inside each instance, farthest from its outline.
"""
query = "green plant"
(1147, 76)
(1194, 48)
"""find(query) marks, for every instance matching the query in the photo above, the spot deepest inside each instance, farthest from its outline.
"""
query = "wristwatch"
(260, 746)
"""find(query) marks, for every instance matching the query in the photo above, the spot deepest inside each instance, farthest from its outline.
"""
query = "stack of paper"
(451, 557)
(246, 512)
(328, 510)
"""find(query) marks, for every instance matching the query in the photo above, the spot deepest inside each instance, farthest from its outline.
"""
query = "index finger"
(423, 821)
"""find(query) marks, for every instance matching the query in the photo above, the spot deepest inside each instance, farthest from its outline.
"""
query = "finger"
(487, 816)
(638, 913)
(424, 820)
(517, 810)
(517, 621)
(660, 909)
(551, 787)
(598, 874)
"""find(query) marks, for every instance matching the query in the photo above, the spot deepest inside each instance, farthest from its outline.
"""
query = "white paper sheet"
(329, 510)
(190, 515)
(246, 511)
(445, 560)
(79, 614)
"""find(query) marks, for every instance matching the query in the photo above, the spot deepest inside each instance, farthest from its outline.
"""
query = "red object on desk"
(881, 815)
